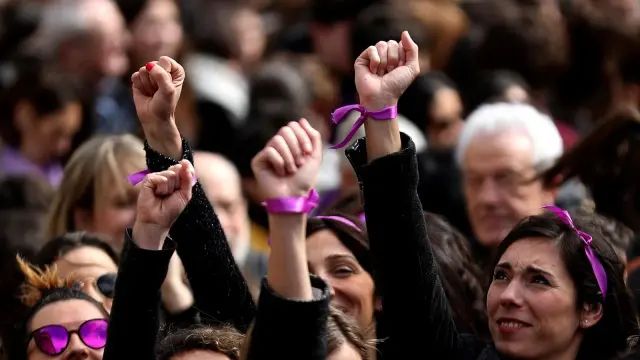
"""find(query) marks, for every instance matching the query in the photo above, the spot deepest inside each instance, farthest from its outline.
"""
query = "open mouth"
(511, 324)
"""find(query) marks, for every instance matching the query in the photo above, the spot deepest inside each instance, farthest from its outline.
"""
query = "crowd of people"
(319, 179)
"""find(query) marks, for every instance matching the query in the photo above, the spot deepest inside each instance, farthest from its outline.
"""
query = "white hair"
(504, 117)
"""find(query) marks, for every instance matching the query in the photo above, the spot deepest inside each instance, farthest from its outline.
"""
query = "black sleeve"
(289, 329)
(418, 319)
(134, 320)
(220, 292)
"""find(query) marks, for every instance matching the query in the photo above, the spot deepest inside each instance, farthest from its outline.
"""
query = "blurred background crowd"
(69, 133)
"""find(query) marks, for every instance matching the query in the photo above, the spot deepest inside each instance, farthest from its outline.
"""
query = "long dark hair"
(610, 335)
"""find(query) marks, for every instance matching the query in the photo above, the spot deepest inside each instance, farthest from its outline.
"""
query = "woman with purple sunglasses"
(62, 321)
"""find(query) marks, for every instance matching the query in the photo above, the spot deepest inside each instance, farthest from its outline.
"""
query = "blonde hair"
(99, 163)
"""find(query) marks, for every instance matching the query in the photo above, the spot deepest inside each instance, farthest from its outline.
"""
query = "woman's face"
(531, 303)
(87, 264)
(156, 31)
(113, 214)
(70, 314)
(352, 288)
(445, 126)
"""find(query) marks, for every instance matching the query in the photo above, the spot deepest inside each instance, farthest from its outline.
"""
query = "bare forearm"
(287, 274)
(165, 139)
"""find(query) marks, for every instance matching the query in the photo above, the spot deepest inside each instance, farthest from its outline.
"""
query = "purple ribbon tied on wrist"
(293, 204)
(339, 114)
(596, 265)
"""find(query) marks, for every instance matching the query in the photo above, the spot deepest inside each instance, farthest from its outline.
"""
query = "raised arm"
(415, 309)
(134, 323)
(221, 293)
(290, 319)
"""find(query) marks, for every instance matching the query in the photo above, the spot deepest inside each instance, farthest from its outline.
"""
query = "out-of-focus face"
(156, 32)
(250, 36)
(498, 170)
(531, 303)
(221, 184)
(345, 352)
(87, 264)
(516, 94)
(352, 288)
(70, 314)
(110, 38)
(49, 137)
(200, 355)
(113, 213)
(443, 130)
(332, 44)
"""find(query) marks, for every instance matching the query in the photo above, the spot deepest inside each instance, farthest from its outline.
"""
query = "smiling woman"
(546, 297)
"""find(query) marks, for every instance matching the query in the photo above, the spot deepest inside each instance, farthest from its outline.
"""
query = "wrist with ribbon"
(340, 114)
(292, 204)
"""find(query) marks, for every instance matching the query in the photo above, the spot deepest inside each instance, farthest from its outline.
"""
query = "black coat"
(418, 322)
(221, 295)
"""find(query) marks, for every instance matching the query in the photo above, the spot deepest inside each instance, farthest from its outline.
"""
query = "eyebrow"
(341, 257)
(530, 269)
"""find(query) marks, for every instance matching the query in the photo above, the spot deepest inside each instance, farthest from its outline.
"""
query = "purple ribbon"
(596, 265)
(388, 113)
(340, 219)
(293, 204)
(137, 177)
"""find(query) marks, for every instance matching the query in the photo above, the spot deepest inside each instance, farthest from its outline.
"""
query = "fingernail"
(150, 66)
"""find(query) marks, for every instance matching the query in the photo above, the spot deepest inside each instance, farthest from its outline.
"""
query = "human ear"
(590, 315)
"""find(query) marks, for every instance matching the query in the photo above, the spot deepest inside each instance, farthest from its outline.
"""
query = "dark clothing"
(290, 329)
(419, 323)
(440, 188)
(220, 293)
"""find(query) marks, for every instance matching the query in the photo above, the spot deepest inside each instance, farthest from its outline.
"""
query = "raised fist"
(384, 71)
(156, 90)
(289, 163)
(163, 197)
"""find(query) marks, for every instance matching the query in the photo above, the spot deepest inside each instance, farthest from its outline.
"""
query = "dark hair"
(341, 329)
(612, 173)
(492, 86)
(609, 336)
(461, 277)
(333, 11)
(63, 244)
(225, 340)
(417, 101)
(383, 22)
(356, 242)
(130, 9)
(45, 92)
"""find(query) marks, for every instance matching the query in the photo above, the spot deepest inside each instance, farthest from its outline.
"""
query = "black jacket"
(418, 320)
(289, 329)
(221, 295)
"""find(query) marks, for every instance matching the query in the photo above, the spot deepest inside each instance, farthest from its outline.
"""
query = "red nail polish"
(150, 66)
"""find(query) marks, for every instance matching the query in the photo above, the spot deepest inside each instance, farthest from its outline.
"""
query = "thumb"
(162, 77)
(411, 51)
(187, 179)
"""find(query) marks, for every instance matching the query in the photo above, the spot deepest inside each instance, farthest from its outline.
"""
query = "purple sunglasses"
(54, 339)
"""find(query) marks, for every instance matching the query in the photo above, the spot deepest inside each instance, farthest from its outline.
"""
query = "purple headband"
(596, 265)
(340, 219)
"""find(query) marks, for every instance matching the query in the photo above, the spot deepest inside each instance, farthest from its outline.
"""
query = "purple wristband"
(137, 177)
(388, 113)
(293, 204)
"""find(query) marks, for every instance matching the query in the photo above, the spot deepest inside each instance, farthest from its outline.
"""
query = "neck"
(32, 154)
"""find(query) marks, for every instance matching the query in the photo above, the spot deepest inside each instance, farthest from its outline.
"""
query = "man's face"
(498, 173)
(109, 48)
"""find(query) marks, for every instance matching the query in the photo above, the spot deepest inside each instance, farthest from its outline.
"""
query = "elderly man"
(221, 183)
(501, 150)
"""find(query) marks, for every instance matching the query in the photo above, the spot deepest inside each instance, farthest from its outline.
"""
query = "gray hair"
(503, 117)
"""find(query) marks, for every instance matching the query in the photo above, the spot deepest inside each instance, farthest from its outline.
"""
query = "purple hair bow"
(596, 265)
(339, 114)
